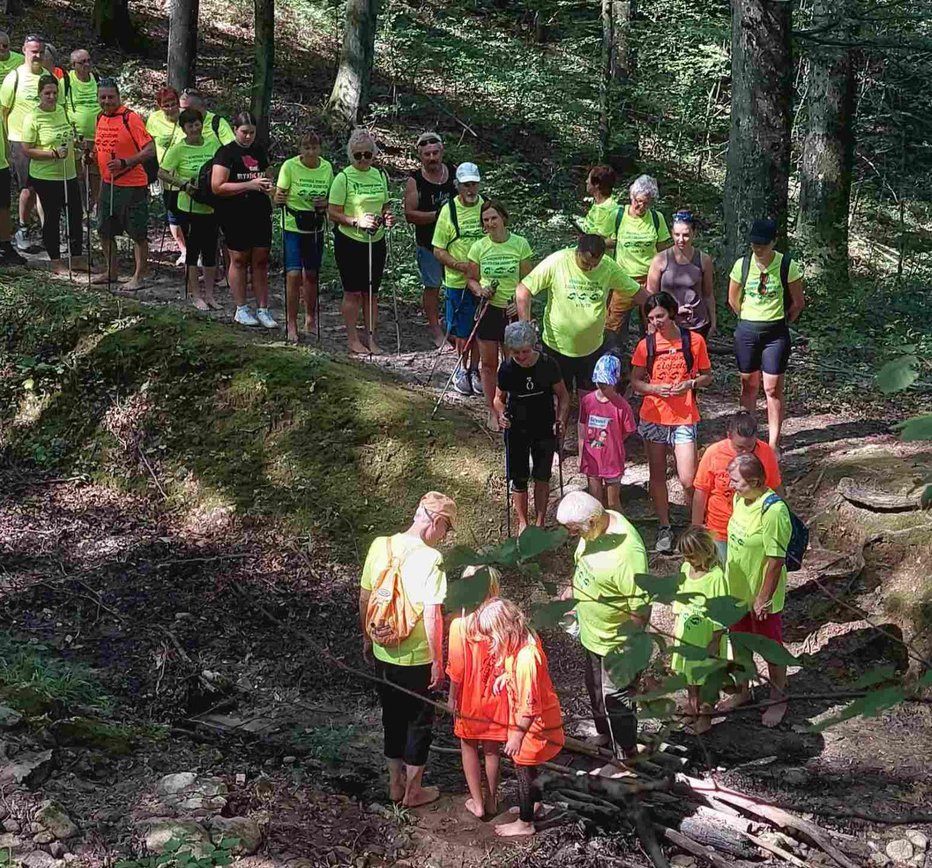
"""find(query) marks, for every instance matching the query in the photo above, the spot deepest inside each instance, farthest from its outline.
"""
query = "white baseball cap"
(467, 173)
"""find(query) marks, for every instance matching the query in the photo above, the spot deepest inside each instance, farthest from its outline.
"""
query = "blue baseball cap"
(607, 371)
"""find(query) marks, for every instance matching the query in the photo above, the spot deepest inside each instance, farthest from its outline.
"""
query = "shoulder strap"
(785, 271)
(619, 216)
(697, 258)
(745, 269)
(66, 82)
(454, 219)
(666, 259)
(656, 218)
(651, 351)
(686, 345)
(769, 501)
(125, 116)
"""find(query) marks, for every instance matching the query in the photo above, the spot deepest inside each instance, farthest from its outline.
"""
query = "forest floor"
(165, 640)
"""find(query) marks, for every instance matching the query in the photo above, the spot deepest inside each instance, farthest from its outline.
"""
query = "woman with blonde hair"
(535, 723)
(480, 715)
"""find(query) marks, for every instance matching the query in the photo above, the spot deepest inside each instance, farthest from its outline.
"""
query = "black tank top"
(430, 197)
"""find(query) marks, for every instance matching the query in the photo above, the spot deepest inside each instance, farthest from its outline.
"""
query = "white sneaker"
(20, 238)
(665, 541)
(475, 380)
(244, 316)
(265, 318)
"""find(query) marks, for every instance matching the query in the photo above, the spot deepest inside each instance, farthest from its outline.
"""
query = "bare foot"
(438, 337)
(774, 714)
(358, 347)
(200, 304)
(474, 809)
(292, 335)
(734, 701)
(421, 796)
(134, 284)
(396, 792)
(374, 348)
(104, 278)
(521, 529)
(494, 427)
(514, 829)
(213, 304)
(491, 805)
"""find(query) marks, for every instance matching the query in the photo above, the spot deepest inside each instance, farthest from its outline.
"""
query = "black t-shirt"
(430, 197)
(244, 165)
(530, 394)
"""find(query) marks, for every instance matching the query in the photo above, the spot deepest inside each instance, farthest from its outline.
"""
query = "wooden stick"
(691, 846)
(778, 851)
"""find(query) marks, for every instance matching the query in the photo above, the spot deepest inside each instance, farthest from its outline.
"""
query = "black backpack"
(620, 215)
(454, 217)
(799, 538)
(203, 192)
(686, 348)
(784, 278)
(151, 165)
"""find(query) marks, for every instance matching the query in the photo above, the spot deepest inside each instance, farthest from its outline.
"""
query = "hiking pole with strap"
(440, 350)
(285, 278)
(388, 242)
(507, 485)
(111, 242)
(64, 173)
(369, 235)
(483, 307)
(87, 214)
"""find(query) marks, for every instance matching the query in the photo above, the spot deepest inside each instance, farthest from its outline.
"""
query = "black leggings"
(52, 196)
(406, 721)
(200, 232)
(522, 448)
(528, 792)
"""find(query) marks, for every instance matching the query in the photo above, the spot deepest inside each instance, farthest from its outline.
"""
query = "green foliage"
(184, 854)
(898, 374)
(662, 589)
(630, 658)
(326, 743)
(866, 706)
(771, 651)
(917, 428)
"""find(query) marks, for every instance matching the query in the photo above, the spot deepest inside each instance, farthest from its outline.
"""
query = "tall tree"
(828, 149)
(182, 43)
(112, 24)
(758, 161)
(264, 66)
(350, 93)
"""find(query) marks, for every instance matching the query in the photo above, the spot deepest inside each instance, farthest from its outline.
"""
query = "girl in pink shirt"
(607, 420)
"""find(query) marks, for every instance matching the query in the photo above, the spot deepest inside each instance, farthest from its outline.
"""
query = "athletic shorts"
(524, 449)
(19, 161)
(669, 435)
(619, 311)
(460, 312)
(576, 369)
(430, 268)
(492, 325)
(245, 228)
(170, 201)
(304, 251)
(762, 346)
(770, 626)
(5, 181)
(352, 258)
(126, 209)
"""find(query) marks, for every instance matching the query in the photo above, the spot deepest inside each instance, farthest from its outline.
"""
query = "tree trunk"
(182, 43)
(617, 63)
(758, 162)
(264, 70)
(112, 24)
(828, 151)
(350, 93)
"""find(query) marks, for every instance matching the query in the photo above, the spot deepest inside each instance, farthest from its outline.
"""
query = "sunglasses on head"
(683, 217)
(362, 155)
(430, 140)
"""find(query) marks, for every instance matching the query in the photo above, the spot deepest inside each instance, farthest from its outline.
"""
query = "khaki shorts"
(127, 211)
(620, 307)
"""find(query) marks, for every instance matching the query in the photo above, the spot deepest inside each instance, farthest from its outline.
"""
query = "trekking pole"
(493, 286)
(111, 242)
(369, 235)
(560, 462)
(483, 307)
(507, 486)
(394, 293)
(320, 286)
(64, 166)
(87, 213)
(285, 275)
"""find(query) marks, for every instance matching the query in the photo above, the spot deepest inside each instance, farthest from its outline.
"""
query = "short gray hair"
(579, 507)
(77, 53)
(358, 137)
(644, 185)
(520, 334)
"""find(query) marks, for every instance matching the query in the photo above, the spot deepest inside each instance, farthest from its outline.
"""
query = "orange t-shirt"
(531, 694)
(712, 478)
(479, 713)
(670, 367)
(121, 139)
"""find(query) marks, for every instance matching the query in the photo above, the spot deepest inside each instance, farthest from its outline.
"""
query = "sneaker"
(9, 256)
(20, 238)
(476, 382)
(462, 382)
(265, 318)
(244, 316)
(664, 544)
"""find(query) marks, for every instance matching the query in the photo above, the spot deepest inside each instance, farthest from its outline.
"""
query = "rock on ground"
(918, 839)
(171, 784)
(900, 850)
(158, 831)
(56, 821)
(244, 829)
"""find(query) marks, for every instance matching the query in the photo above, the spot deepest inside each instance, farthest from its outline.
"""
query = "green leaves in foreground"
(512, 552)
(772, 652)
(898, 374)
(917, 428)
(867, 706)
(630, 658)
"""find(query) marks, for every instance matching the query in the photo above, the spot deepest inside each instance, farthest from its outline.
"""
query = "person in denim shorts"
(668, 366)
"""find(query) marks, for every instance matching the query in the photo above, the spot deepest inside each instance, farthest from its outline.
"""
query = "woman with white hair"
(360, 211)
(528, 380)
(640, 234)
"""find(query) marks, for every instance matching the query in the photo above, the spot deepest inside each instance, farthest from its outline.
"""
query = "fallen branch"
(690, 846)
(777, 851)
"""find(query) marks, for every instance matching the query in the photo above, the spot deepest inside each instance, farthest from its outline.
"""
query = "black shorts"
(352, 258)
(524, 448)
(246, 228)
(576, 369)
(492, 325)
(19, 160)
(762, 346)
(5, 181)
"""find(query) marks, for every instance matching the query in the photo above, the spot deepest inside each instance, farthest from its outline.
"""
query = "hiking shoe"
(462, 382)
(244, 316)
(20, 238)
(265, 318)
(664, 544)
(9, 256)
(476, 382)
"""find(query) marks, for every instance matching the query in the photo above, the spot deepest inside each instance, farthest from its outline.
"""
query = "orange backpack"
(390, 617)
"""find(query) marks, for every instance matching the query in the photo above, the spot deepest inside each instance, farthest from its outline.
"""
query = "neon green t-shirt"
(50, 130)
(693, 626)
(574, 318)
(304, 185)
(603, 573)
(360, 193)
(24, 100)
(4, 155)
(424, 583)
(601, 218)
(762, 300)
(637, 240)
(754, 536)
(224, 134)
(501, 262)
(185, 161)
(469, 218)
(81, 104)
(164, 131)
(15, 59)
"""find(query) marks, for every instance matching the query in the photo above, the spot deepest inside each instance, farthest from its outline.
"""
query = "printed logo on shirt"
(529, 384)
(597, 432)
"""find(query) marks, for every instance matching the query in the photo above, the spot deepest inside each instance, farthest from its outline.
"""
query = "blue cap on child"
(607, 371)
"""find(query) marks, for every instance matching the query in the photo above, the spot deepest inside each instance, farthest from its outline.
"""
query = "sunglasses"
(431, 140)
(683, 217)
(362, 155)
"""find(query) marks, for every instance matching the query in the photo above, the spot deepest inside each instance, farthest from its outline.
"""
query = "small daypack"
(686, 347)
(390, 617)
(620, 215)
(799, 538)
(784, 278)
(203, 191)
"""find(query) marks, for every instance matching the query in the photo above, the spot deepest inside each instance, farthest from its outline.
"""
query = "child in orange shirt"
(480, 715)
(535, 723)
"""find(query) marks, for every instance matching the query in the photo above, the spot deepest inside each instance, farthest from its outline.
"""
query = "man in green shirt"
(80, 101)
(9, 60)
(608, 601)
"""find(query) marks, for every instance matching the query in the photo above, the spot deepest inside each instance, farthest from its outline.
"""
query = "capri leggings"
(524, 448)
(201, 232)
(762, 346)
(528, 792)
